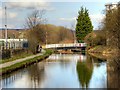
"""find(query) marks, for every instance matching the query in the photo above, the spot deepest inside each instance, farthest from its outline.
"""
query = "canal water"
(60, 71)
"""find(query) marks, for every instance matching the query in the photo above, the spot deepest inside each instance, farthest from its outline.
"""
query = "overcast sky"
(58, 12)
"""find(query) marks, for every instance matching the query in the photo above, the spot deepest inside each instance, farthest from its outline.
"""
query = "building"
(111, 6)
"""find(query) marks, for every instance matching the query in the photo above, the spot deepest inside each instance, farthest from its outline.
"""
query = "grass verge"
(26, 63)
(18, 56)
(103, 52)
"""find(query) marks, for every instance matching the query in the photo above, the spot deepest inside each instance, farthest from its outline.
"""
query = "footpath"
(7, 64)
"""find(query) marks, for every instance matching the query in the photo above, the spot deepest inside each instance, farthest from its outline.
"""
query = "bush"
(6, 54)
(17, 51)
(95, 38)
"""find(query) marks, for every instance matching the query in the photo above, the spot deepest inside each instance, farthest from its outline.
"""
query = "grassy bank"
(25, 63)
(18, 56)
(102, 51)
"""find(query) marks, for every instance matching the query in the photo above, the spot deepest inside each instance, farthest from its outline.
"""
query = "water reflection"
(8, 79)
(92, 73)
(60, 71)
(36, 75)
(85, 70)
(26, 78)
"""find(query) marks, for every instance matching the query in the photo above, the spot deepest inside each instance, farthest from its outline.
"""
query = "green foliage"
(84, 25)
(85, 70)
(19, 55)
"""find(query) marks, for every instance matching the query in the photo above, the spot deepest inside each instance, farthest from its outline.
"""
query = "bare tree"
(35, 32)
(35, 18)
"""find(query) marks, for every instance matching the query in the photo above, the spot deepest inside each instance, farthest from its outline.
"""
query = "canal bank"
(60, 71)
(24, 62)
(103, 52)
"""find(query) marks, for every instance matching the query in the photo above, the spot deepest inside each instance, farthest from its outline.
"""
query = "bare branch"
(36, 18)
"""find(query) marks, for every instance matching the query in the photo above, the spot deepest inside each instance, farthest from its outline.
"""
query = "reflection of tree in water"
(84, 70)
(36, 74)
(113, 71)
(64, 63)
(10, 78)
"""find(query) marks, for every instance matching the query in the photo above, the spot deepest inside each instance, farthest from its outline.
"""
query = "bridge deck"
(65, 45)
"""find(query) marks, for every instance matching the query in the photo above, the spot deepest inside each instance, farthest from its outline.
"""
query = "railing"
(13, 43)
(65, 45)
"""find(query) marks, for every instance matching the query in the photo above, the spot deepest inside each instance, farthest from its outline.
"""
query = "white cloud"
(61, 0)
(67, 19)
(24, 1)
(28, 5)
(12, 15)
(10, 26)
(1, 12)
(97, 17)
(25, 4)
(9, 14)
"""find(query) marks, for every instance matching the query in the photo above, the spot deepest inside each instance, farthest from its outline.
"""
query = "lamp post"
(6, 25)
(46, 38)
(74, 36)
(74, 32)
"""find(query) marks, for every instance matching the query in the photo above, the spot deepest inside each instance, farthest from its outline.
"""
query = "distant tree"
(84, 25)
(95, 38)
(65, 35)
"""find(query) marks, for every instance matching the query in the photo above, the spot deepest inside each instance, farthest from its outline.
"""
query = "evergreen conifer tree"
(84, 25)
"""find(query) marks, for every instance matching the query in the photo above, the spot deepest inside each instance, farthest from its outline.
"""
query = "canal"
(60, 71)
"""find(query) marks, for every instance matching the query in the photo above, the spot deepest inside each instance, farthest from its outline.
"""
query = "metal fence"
(13, 44)
(66, 45)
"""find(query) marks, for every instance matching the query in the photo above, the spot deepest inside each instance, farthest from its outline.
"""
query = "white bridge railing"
(66, 45)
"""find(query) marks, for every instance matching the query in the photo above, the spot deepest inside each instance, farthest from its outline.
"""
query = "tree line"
(40, 33)
(109, 32)
(111, 27)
